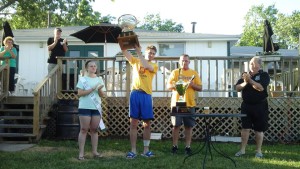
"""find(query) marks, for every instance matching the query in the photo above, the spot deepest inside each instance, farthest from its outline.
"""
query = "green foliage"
(85, 14)
(288, 30)
(154, 22)
(285, 27)
(254, 24)
(24, 19)
(34, 14)
(63, 155)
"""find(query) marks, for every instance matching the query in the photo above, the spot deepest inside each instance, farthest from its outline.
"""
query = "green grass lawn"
(62, 154)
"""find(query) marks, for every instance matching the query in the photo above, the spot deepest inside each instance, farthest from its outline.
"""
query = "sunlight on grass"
(283, 163)
(62, 154)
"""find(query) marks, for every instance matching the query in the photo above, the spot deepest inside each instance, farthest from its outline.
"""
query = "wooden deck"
(39, 114)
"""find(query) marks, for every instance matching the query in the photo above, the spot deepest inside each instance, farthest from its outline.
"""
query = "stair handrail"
(4, 80)
(44, 96)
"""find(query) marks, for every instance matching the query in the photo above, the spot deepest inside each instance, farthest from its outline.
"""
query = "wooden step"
(17, 135)
(19, 100)
(15, 141)
(19, 126)
(16, 110)
(16, 117)
(16, 126)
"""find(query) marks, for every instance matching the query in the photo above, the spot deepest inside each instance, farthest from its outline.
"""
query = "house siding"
(33, 52)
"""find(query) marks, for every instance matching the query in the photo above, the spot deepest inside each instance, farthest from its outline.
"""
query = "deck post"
(59, 75)
(36, 114)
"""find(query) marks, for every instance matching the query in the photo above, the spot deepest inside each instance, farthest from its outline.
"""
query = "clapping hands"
(8, 47)
(246, 76)
(65, 41)
(98, 87)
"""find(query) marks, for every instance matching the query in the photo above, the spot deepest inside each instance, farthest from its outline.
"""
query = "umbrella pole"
(105, 46)
(105, 49)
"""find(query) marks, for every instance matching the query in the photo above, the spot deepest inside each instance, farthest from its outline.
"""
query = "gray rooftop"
(40, 34)
(251, 51)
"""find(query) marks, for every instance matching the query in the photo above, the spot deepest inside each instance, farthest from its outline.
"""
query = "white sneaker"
(11, 93)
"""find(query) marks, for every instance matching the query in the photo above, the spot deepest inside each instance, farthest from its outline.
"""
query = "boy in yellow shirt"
(141, 104)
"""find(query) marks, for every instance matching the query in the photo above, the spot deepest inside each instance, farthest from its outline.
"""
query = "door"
(85, 51)
(80, 51)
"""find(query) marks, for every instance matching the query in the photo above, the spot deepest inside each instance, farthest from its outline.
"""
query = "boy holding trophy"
(193, 83)
(144, 70)
(140, 104)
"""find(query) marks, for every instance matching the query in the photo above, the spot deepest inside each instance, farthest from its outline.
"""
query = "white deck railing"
(218, 74)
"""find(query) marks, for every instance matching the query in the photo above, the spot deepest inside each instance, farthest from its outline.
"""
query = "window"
(73, 54)
(171, 49)
(166, 66)
(93, 54)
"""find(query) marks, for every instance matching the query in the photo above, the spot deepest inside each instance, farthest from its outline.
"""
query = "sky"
(212, 16)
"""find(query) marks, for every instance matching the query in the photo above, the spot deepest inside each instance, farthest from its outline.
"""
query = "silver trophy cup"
(127, 39)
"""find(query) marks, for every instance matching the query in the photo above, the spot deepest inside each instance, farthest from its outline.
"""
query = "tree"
(6, 3)
(51, 13)
(254, 25)
(154, 22)
(288, 30)
(85, 14)
(285, 27)
(24, 19)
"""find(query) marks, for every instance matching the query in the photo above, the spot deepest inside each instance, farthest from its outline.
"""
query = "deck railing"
(45, 95)
(218, 74)
(4, 76)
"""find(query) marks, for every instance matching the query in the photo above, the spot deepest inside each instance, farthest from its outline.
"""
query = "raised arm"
(11, 51)
(65, 45)
(127, 55)
(144, 62)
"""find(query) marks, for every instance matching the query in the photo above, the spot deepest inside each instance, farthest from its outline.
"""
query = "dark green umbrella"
(102, 33)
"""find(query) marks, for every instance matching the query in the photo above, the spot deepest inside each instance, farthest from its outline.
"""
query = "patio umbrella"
(102, 33)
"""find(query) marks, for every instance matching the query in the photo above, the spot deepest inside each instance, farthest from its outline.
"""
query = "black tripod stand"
(208, 145)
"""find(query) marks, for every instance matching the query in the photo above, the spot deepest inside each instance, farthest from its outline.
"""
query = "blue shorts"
(88, 112)
(187, 121)
(140, 105)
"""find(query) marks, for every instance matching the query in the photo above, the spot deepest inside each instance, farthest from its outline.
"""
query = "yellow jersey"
(186, 75)
(142, 78)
